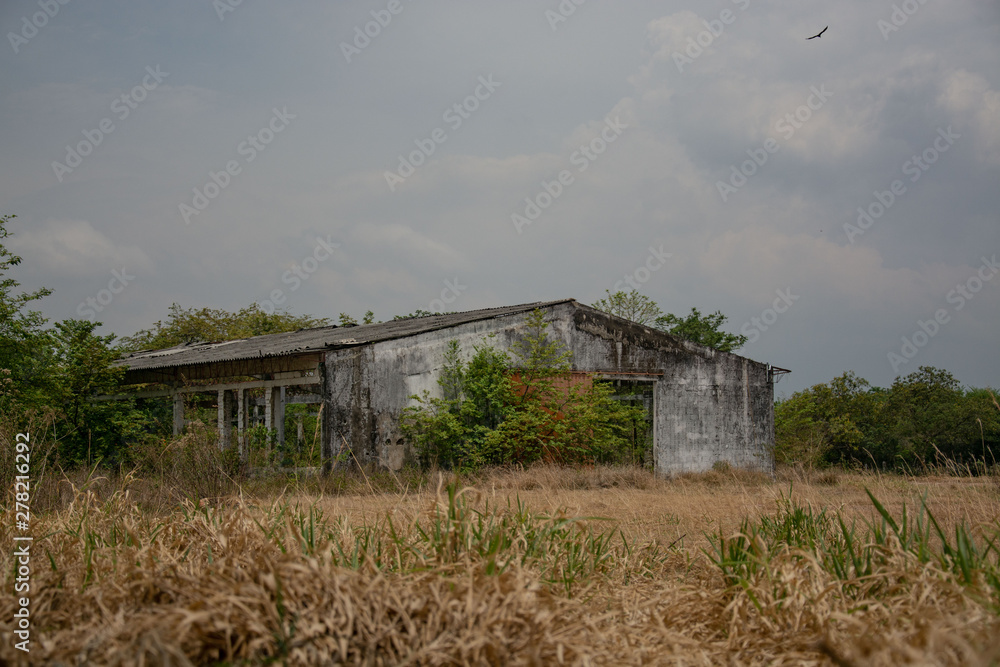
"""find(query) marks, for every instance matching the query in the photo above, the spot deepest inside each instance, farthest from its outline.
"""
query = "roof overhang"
(260, 367)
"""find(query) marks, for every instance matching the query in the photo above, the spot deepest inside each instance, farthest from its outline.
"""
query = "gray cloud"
(656, 184)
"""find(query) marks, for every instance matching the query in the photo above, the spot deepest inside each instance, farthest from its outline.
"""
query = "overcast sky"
(474, 154)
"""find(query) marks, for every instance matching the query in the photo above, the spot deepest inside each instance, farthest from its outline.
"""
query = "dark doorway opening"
(639, 393)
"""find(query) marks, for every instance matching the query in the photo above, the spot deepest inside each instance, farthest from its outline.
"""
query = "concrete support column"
(279, 425)
(300, 433)
(225, 415)
(241, 422)
(326, 451)
(274, 412)
(272, 407)
(325, 418)
(178, 413)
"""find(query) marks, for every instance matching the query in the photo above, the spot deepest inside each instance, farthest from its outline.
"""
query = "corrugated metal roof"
(312, 340)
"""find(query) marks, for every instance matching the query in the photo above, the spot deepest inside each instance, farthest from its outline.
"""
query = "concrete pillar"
(300, 433)
(241, 421)
(279, 426)
(270, 400)
(325, 446)
(178, 413)
(274, 413)
(653, 449)
(225, 415)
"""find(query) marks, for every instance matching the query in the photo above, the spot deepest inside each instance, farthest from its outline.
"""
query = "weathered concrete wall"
(709, 406)
(369, 385)
(711, 412)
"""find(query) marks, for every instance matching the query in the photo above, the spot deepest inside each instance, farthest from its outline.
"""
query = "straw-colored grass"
(545, 566)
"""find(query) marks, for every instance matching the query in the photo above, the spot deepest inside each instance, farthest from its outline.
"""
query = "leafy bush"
(450, 432)
(519, 409)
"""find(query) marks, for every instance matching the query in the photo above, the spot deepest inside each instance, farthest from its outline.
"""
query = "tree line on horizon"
(924, 420)
(58, 368)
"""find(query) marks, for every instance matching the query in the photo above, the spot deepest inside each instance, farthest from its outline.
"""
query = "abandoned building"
(705, 406)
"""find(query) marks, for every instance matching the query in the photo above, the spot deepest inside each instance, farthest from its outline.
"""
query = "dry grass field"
(547, 566)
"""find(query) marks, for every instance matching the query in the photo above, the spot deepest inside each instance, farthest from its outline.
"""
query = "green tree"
(486, 384)
(539, 361)
(596, 428)
(702, 329)
(522, 408)
(695, 327)
(450, 431)
(931, 417)
(556, 417)
(23, 363)
(631, 306)
(59, 370)
(985, 409)
(541, 366)
(923, 419)
(841, 421)
(83, 365)
(82, 369)
(190, 325)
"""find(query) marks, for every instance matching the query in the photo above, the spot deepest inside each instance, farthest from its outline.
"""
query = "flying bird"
(819, 34)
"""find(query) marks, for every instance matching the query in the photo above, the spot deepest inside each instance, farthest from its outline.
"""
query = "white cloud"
(74, 249)
(402, 241)
(754, 262)
(969, 96)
